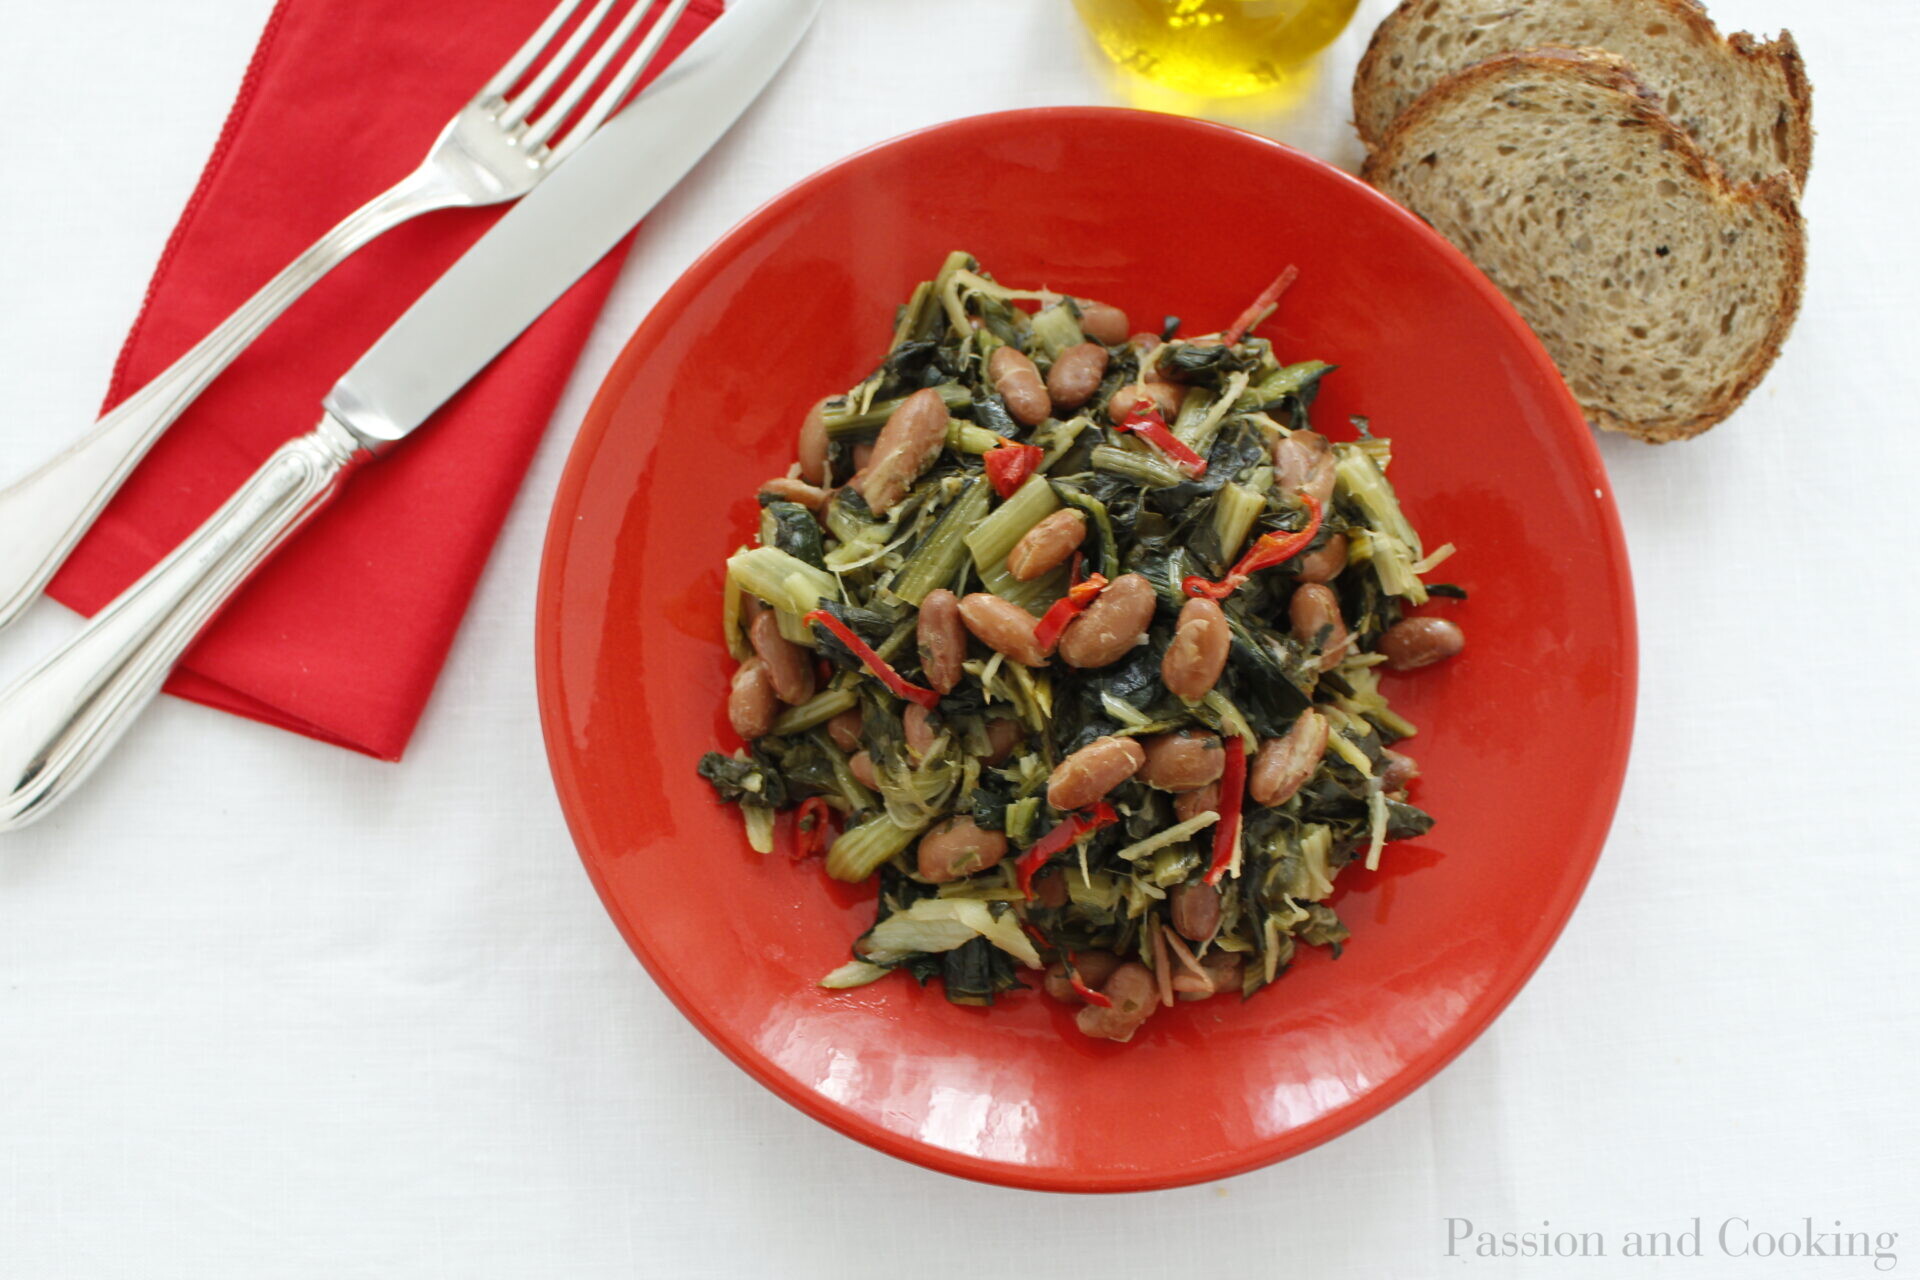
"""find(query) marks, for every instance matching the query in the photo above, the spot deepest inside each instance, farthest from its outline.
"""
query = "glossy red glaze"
(1526, 734)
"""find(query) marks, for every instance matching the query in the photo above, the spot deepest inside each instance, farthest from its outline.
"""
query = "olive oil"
(1218, 48)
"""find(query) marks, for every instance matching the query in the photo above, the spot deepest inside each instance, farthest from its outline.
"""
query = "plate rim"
(548, 680)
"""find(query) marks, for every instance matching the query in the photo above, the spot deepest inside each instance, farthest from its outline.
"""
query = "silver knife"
(58, 720)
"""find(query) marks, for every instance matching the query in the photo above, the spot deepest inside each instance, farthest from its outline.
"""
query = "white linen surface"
(272, 1009)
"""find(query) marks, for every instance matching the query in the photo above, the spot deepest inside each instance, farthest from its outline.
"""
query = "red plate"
(1525, 735)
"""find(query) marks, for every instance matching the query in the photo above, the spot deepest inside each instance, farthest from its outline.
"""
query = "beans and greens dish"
(1073, 636)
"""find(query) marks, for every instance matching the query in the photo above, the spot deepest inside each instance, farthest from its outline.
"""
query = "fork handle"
(58, 720)
(44, 514)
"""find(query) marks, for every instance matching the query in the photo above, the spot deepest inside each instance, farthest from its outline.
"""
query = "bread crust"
(1372, 75)
(1784, 51)
(1775, 197)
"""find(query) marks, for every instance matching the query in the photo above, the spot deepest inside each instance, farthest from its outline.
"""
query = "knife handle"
(45, 513)
(58, 720)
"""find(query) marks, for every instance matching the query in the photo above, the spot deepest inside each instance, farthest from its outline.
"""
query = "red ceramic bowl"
(1524, 736)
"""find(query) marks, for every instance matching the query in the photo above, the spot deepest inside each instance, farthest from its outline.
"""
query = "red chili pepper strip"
(1070, 828)
(887, 676)
(1254, 314)
(810, 827)
(1087, 993)
(1064, 610)
(1270, 550)
(1080, 986)
(1233, 786)
(1145, 421)
(1009, 465)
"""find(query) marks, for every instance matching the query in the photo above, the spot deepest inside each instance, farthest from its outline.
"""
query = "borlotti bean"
(1092, 967)
(1111, 626)
(1163, 396)
(1198, 653)
(1184, 761)
(1019, 384)
(1315, 615)
(845, 729)
(1046, 546)
(1131, 997)
(958, 847)
(1325, 563)
(1076, 375)
(1104, 324)
(1304, 463)
(943, 639)
(1002, 626)
(813, 443)
(789, 667)
(1421, 642)
(916, 725)
(1091, 772)
(1286, 763)
(907, 446)
(751, 702)
(1195, 909)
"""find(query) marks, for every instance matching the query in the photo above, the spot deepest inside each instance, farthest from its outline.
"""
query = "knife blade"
(60, 718)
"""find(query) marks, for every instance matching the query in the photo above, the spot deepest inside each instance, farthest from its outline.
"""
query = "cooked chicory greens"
(1074, 636)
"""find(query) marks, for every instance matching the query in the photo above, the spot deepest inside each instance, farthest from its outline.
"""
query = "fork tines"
(558, 100)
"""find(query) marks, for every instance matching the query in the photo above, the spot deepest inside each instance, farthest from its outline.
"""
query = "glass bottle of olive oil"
(1218, 48)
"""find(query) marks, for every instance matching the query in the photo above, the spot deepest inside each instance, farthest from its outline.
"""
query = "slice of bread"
(1661, 291)
(1745, 101)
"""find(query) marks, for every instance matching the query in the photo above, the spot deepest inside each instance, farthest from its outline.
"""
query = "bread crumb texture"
(1661, 291)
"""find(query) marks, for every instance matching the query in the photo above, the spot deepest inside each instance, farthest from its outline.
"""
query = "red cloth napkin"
(341, 635)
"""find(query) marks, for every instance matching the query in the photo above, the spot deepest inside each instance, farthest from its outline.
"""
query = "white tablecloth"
(271, 1009)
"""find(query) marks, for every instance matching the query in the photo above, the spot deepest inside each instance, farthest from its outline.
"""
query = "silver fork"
(495, 149)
